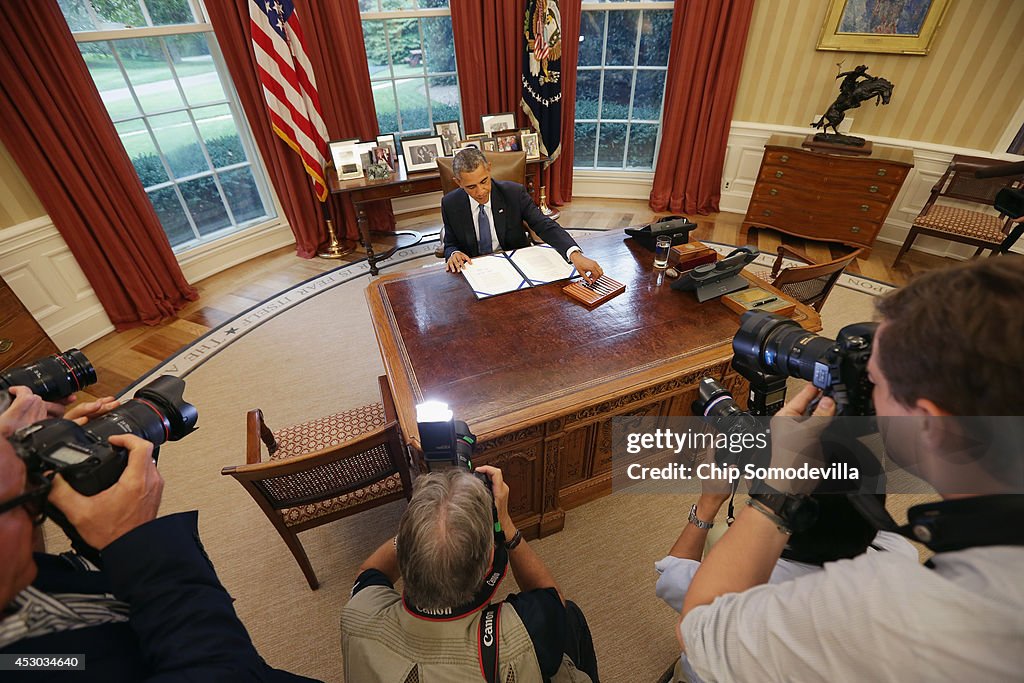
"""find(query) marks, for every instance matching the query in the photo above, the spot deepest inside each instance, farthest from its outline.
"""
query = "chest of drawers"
(828, 197)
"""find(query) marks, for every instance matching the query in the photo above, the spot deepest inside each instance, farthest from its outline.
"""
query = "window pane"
(376, 49)
(114, 14)
(149, 74)
(387, 5)
(444, 98)
(167, 12)
(655, 37)
(433, 4)
(177, 140)
(622, 37)
(217, 127)
(195, 68)
(643, 138)
(650, 90)
(586, 134)
(172, 216)
(618, 84)
(412, 104)
(368, 5)
(242, 194)
(588, 92)
(592, 32)
(611, 145)
(406, 50)
(141, 150)
(438, 46)
(76, 15)
(205, 205)
(109, 79)
(384, 102)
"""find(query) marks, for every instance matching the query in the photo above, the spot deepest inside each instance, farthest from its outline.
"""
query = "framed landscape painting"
(897, 26)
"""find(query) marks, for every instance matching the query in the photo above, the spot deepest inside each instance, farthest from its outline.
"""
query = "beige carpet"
(321, 357)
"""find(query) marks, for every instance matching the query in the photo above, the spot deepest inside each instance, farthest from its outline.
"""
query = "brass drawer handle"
(406, 188)
(767, 212)
(6, 345)
(773, 192)
(864, 207)
(778, 174)
(855, 229)
(881, 172)
(784, 158)
(873, 188)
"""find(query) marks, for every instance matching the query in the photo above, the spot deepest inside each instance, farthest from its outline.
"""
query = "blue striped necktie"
(485, 232)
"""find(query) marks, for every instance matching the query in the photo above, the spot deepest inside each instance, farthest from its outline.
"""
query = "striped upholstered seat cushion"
(965, 222)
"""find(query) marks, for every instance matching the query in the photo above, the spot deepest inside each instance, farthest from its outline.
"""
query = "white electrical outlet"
(726, 185)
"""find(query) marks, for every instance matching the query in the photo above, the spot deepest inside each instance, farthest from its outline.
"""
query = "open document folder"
(508, 271)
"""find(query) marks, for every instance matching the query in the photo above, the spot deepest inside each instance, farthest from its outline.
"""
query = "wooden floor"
(120, 358)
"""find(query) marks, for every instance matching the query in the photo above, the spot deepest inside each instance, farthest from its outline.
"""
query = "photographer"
(948, 344)
(155, 609)
(453, 559)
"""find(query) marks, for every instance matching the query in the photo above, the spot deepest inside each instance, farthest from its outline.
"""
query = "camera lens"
(714, 400)
(158, 413)
(54, 377)
(779, 345)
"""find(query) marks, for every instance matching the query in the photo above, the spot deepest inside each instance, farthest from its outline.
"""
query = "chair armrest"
(784, 251)
(256, 430)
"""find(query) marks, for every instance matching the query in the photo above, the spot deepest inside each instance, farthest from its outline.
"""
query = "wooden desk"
(402, 184)
(829, 197)
(538, 377)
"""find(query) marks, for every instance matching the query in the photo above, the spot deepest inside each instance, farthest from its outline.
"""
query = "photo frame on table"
(363, 149)
(477, 136)
(420, 152)
(847, 27)
(492, 123)
(388, 140)
(488, 145)
(507, 141)
(531, 145)
(384, 155)
(466, 144)
(345, 157)
(450, 133)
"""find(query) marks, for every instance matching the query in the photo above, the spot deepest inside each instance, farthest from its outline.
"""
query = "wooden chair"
(325, 469)
(982, 229)
(809, 284)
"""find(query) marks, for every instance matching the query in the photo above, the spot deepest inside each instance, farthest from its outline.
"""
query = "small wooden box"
(689, 255)
(757, 299)
(596, 294)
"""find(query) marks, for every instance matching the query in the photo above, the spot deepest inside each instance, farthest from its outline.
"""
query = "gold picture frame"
(909, 34)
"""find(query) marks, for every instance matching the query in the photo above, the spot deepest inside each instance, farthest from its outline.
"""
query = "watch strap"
(697, 521)
(516, 539)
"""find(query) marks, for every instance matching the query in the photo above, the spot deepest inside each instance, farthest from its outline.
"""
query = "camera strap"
(483, 595)
(487, 637)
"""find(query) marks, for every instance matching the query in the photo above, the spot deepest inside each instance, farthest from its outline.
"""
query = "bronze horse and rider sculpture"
(856, 87)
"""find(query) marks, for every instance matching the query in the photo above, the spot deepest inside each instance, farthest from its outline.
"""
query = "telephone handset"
(715, 279)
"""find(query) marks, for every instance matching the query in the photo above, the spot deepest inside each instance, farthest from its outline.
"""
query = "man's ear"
(928, 407)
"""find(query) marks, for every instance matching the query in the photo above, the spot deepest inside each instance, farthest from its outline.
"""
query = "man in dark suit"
(486, 215)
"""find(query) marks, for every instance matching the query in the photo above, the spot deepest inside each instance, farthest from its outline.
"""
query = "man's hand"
(456, 262)
(83, 412)
(133, 500)
(587, 267)
(500, 490)
(25, 409)
(796, 438)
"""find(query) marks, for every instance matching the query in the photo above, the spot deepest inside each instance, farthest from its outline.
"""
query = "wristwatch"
(791, 513)
(697, 521)
(516, 539)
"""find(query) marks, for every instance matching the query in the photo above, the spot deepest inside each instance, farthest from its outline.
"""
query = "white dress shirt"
(474, 210)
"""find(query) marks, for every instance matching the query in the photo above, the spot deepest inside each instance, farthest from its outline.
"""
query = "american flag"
(541, 49)
(289, 85)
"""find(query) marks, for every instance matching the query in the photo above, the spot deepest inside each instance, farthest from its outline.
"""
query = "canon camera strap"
(488, 639)
(483, 595)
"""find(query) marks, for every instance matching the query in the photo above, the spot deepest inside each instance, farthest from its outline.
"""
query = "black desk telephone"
(677, 227)
(715, 279)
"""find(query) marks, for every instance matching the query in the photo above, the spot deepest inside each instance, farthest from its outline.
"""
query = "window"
(162, 79)
(620, 83)
(411, 54)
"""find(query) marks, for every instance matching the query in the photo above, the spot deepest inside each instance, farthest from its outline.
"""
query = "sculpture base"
(837, 144)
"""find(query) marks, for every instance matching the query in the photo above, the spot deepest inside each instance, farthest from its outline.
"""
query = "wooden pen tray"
(596, 294)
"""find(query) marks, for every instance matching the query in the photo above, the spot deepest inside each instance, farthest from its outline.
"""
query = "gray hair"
(445, 539)
(468, 160)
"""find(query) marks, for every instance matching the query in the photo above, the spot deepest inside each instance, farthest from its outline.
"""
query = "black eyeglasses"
(32, 500)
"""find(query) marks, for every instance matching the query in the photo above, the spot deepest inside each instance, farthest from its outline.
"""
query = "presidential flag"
(542, 73)
(289, 86)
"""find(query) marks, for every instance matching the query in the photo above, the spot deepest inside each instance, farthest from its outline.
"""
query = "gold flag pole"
(334, 246)
(544, 208)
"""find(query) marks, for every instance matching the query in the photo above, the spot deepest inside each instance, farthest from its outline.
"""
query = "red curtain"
(559, 174)
(59, 133)
(342, 78)
(489, 58)
(703, 72)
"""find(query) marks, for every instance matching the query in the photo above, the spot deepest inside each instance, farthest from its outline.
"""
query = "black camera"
(52, 378)
(771, 344)
(719, 409)
(83, 456)
(445, 441)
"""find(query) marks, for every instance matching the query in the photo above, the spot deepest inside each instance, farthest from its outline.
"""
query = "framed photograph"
(383, 155)
(477, 136)
(464, 144)
(388, 141)
(488, 145)
(420, 152)
(450, 133)
(346, 159)
(507, 142)
(492, 123)
(531, 145)
(363, 149)
(895, 26)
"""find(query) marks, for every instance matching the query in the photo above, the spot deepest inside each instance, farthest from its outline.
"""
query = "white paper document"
(502, 272)
(542, 264)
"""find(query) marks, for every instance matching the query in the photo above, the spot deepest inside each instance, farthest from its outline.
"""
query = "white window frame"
(613, 6)
(254, 160)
